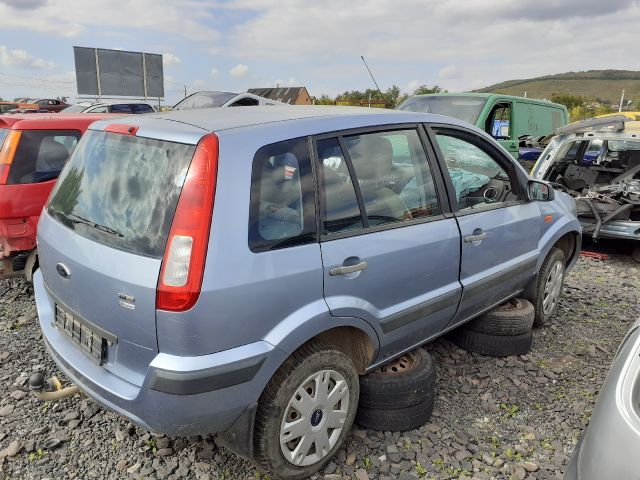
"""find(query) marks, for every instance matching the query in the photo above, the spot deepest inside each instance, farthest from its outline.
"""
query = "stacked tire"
(398, 396)
(501, 332)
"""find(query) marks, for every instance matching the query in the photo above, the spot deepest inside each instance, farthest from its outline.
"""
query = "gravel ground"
(517, 417)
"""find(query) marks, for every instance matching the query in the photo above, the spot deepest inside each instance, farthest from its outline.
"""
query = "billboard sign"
(103, 72)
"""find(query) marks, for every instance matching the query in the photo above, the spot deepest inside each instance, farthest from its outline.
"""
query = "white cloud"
(199, 83)
(292, 82)
(181, 18)
(214, 72)
(239, 70)
(450, 71)
(22, 59)
(489, 40)
(169, 59)
(412, 85)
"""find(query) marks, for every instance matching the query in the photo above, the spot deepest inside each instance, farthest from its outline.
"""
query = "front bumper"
(179, 395)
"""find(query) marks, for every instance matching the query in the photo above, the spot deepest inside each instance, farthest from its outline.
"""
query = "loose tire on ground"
(492, 345)
(514, 317)
(306, 370)
(409, 380)
(555, 260)
(396, 420)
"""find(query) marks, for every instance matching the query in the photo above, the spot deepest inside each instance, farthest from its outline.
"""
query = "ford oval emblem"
(63, 270)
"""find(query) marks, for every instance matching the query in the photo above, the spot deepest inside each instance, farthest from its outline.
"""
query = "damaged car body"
(598, 162)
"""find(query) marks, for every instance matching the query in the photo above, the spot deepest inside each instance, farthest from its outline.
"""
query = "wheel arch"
(570, 243)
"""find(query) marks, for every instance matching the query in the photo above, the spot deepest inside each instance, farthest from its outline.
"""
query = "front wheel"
(306, 411)
(549, 287)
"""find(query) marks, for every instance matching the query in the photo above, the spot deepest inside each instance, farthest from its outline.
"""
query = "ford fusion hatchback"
(235, 271)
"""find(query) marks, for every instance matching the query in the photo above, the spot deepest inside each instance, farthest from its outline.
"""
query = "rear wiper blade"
(78, 219)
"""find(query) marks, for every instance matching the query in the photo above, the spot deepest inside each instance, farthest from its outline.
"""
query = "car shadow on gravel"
(515, 417)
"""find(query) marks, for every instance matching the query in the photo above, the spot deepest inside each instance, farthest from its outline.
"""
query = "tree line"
(390, 98)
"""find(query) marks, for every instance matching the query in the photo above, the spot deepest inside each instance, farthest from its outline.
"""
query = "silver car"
(609, 446)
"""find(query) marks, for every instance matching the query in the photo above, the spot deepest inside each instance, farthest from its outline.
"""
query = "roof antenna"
(374, 80)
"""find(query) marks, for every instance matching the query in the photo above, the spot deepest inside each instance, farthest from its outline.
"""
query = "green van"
(505, 117)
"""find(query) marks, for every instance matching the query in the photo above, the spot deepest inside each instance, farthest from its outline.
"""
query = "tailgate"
(101, 241)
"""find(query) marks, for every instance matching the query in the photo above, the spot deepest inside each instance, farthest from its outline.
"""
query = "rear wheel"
(549, 287)
(306, 411)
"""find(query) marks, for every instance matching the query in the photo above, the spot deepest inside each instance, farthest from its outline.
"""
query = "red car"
(34, 149)
(50, 104)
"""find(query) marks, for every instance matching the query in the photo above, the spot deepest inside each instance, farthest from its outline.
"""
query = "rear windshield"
(41, 154)
(122, 191)
(204, 100)
(465, 108)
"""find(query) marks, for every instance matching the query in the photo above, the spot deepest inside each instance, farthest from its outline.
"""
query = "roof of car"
(113, 102)
(489, 95)
(57, 121)
(217, 119)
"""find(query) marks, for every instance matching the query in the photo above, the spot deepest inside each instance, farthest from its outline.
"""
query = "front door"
(500, 228)
(390, 254)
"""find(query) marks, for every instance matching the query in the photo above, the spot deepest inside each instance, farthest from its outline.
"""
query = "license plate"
(89, 341)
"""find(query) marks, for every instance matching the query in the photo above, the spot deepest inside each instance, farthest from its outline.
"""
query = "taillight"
(186, 251)
(7, 152)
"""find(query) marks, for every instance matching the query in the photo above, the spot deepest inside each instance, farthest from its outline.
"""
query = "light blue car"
(236, 270)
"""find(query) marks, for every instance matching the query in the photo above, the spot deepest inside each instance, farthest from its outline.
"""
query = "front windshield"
(77, 108)
(462, 107)
(204, 100)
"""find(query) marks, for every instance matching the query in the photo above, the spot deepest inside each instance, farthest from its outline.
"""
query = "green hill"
(606, 85)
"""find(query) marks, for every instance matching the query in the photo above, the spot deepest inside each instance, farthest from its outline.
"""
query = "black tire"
(514, 317)
(555, 256)
(311, 358)
(492, 345)
(396, 420)
(409, 380)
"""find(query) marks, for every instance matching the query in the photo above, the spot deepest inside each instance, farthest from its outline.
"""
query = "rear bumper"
(179, 395)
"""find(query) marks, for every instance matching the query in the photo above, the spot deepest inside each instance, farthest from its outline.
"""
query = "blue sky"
(238, 44)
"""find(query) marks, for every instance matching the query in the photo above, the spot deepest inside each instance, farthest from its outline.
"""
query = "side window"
(499, 122)
(120, 108)
(245, 102)
(340, 204)
(393, 175)
(392, 184)
(141, 108)
(282, 212)
(102, 109)
(41, 154)
(477, 178)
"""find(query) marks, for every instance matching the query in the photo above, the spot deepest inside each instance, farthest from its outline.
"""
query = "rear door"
(390, 251)
(500, 228)
(103, 238)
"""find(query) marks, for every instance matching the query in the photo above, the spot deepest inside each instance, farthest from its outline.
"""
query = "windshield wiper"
(73, 218)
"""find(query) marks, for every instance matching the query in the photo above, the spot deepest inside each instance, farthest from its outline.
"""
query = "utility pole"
(621, 101)
(525, 94)
(185, 91)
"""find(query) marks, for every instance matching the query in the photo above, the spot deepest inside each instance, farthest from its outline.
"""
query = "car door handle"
(345, 269)
(475, 238)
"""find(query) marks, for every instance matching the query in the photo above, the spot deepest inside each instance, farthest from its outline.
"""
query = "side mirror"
(540, 191)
